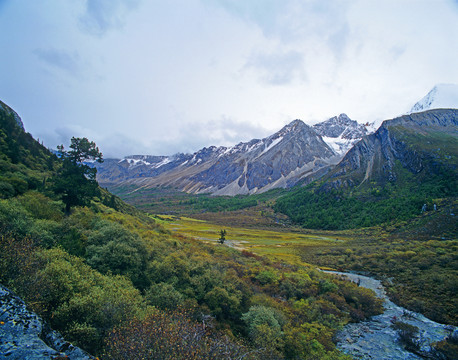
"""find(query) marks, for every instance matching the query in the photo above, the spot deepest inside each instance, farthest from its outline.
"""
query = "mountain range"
(298, 153)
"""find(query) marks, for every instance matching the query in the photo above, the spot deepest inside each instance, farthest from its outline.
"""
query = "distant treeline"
(219, 203)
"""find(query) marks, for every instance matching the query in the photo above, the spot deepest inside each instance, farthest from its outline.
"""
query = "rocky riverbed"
(376, 339)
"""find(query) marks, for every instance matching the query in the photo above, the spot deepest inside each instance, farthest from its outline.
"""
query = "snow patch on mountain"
(135, 162)
(272, 144)
(442, 96)
(340, 133)
(337, 144)
(162, 163)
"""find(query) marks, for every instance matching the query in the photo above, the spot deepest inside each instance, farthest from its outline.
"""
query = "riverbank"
(376, 338)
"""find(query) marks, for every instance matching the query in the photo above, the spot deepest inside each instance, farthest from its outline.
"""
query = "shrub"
(164, 296)
(407, 335)
(264, 326)
(80, 302)
(172, 336)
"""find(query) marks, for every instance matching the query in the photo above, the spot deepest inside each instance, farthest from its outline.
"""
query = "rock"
(24, 335)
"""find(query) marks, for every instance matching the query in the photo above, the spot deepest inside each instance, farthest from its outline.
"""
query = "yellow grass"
(276, 244)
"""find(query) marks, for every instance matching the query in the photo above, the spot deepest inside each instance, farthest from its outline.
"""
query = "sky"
(160, 77)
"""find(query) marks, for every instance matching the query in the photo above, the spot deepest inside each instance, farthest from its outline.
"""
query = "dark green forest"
(340, 210)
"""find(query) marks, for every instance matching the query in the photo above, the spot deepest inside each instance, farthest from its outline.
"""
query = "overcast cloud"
(160, 77)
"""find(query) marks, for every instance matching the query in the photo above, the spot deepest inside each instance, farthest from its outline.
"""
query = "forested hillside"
(24, 163)
(118, 285)
(406, 167)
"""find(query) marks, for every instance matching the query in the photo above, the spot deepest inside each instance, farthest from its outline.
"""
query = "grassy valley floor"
(418, 267)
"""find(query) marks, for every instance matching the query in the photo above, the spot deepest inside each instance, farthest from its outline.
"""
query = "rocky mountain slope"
(421, 143)
(10, 111)
(407, 167)
(295, 153)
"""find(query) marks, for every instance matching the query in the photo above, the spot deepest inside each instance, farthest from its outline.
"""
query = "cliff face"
(24, 335)
(421, 143)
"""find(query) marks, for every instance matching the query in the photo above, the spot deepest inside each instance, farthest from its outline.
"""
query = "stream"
(375, 339)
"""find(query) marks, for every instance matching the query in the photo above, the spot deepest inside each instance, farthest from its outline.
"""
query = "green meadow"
(279, 245)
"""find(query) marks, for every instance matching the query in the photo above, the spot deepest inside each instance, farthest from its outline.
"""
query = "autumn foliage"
(173, 336)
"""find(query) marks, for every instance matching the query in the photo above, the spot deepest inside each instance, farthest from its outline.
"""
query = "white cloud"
(61, 59)
(158, 82)
(280, 68)
(103, 15)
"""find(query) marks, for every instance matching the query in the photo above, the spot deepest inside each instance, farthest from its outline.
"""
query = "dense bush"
(88, 293)
(79, 301)
(112, 248)
(174, 335)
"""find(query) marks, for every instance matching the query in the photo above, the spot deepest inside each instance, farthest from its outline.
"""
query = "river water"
(375, 339)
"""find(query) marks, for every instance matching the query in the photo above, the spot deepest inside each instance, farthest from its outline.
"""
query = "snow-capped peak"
(341, 132)
(442, 96)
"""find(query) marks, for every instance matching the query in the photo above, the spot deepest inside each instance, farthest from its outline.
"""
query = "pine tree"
(222, 237)
(75, 181)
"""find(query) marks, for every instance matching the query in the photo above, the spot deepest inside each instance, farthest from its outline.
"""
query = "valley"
(279, 245)
(229, 180)
(419, 268)
(226, 246)
(427, 289)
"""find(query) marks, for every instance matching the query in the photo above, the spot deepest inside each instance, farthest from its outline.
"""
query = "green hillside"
(24, 163)
(114, 282)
